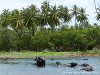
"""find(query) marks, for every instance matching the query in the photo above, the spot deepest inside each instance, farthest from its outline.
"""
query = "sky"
(19, 4)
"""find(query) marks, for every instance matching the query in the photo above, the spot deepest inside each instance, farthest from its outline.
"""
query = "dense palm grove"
(27, 29)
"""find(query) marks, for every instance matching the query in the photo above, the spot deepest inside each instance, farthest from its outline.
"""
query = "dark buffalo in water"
(73, 64)
(40, 62)
(88, 68)
(84, 65)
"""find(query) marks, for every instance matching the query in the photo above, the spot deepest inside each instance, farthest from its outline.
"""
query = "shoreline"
(47, 55)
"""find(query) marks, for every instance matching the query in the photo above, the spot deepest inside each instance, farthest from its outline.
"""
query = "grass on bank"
(30, 54)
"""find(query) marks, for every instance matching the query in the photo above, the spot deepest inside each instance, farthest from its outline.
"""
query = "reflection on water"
(27, 67)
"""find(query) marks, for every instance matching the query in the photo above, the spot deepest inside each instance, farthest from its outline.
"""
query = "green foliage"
(96, 51)
(45, 51)
(79, 53)
(27, 29)
(5, 42)
(40, 41)
(23, 42)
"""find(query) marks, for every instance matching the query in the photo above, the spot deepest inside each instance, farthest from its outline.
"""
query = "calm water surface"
(27, 67)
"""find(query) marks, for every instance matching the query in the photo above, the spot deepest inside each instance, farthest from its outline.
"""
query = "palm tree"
(16, 18)
(54, 18)
(75, 12)
(82, 17)
(61, 12)
(5, 18)
(95, 6)
(30, 16)
(98, 13)
(67, 16)
(64, 14)
(45, 11)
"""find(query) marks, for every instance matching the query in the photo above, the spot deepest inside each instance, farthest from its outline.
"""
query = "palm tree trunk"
(95, 6)
(75, 20)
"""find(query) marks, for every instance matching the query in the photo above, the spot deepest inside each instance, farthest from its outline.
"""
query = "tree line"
(27, 29)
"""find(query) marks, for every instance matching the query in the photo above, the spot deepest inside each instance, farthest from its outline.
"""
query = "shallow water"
(27, 67)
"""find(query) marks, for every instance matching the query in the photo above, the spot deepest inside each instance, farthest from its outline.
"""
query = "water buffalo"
(58, 63)
(73, 64)
(85, 59)
(84, 65)
(88, 68)
(40, 62)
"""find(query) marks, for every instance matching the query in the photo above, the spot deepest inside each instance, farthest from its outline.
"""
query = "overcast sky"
(18, 4)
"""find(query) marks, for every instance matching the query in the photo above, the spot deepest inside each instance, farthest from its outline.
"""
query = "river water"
(27, 67)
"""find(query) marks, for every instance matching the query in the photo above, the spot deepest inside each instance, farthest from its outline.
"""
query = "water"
(27, 67)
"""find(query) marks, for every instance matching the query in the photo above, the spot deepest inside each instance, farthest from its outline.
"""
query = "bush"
(45, 51)
(93, 51)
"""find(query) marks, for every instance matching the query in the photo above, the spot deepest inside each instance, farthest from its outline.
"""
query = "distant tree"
(75, 12)
(5, 18)
(5, 41)
(16, 18)
(54, 17)
(82, 17)
(64, 14)
(30, 18)
(95, 6)
(40, 41)
(98, 13)
(44, 13)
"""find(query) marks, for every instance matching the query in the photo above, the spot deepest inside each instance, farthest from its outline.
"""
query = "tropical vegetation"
(48, 28)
